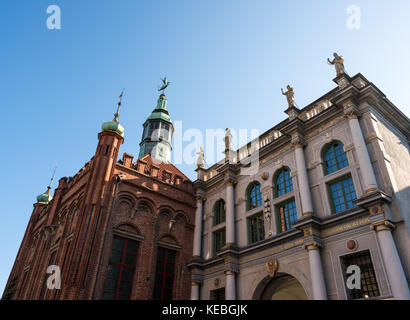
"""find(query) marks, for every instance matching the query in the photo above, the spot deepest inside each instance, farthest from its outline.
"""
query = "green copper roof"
(45, 198)
(159, 115)
(113, 126)
(161, 112)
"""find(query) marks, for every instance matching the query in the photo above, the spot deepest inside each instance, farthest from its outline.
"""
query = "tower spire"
(114, 125)
(52, 178)
(45, 197)
(158, 129)
(117, 114)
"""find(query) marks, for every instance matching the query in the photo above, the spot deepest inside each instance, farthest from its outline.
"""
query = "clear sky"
(226, 61)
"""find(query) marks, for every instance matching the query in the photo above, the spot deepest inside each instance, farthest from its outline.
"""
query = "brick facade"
(143, 201)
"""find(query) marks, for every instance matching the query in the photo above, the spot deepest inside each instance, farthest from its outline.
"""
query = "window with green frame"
(342, 194)
(256, 228)
(283, 182)
(334, 157)
(253, 196)
(219, 240)
(219, 212)
(286, 215)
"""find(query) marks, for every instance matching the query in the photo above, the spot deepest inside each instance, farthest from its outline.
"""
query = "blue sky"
(226, 61)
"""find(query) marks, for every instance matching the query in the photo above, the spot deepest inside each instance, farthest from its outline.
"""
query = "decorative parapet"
(314, 110)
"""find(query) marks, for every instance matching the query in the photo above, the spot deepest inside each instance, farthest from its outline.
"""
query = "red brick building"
(116, 229)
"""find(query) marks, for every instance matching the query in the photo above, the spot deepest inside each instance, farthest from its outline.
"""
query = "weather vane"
(164, 85)
(117, 114)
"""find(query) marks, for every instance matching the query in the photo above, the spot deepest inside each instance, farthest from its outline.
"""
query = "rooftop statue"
(338, 62)
(228, 139)
(200, 163)
(290, 96)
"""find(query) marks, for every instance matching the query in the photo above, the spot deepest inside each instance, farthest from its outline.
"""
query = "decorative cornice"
(296, 125)
(372, 198)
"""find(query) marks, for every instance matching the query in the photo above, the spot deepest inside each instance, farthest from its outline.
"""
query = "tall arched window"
(253, 196)
(283, 182)
(334, 157)
(219, 212)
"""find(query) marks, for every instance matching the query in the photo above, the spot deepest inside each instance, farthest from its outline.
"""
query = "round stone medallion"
(351, 244)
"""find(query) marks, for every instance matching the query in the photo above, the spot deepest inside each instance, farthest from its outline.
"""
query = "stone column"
(194, 290)
(316, 272)
(230, 286)
(367, 173)
(198, 227)
(306, 199)
(391, 259)
(230, 213)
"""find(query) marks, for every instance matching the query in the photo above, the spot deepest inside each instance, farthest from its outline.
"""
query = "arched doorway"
(282, 287)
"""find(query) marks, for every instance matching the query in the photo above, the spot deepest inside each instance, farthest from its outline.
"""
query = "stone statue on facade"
(290, 96)
(200, 162)
(228, 139)
(338, 62)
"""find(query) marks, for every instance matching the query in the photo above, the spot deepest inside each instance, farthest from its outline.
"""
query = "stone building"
(331, 190)
(116, 229)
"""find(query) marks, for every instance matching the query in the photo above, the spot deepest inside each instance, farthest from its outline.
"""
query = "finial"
(164, 85)
(117, 114)
(52, 179)
(45, 197)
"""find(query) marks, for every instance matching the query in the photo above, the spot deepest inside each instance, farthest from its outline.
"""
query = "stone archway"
(282, 287)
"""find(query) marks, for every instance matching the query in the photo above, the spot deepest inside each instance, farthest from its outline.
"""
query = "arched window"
(253, 196)
(283, 182)
(334, 157)
(219, 212)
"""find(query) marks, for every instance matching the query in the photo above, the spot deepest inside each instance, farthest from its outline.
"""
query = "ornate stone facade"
(371, 137)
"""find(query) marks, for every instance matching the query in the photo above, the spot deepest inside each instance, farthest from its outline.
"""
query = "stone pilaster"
(304, 188)
(316, 271)
(230, 212)
(195, 286)
(198, 226)
(369, 179)
(231, 269)
(230, 289)
(391, 259)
